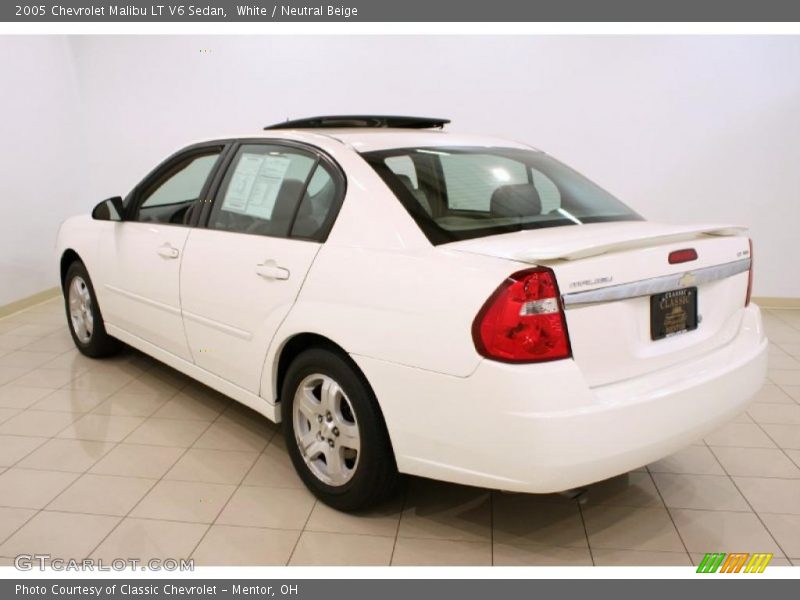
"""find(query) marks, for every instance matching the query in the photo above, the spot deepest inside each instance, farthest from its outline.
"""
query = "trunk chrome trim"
(657, 285)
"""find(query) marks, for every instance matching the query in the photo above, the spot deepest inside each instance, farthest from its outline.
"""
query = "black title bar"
(738, 587)
(400, 11)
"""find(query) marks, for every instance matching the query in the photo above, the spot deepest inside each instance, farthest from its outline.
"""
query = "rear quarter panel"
(413, 308)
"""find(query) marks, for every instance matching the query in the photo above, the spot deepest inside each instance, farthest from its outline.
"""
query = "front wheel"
(83, 315)
(335, 433)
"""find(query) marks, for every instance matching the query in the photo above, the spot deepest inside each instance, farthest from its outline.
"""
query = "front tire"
(83, 315)
(335, 433)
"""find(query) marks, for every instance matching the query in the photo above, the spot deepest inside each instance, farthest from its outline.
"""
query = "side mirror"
(109, 210)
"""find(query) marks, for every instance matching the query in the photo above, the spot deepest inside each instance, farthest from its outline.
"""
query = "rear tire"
(335, 433)
(83, 315)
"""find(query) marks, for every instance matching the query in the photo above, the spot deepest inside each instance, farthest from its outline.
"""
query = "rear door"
(243, 270)
(144, 252)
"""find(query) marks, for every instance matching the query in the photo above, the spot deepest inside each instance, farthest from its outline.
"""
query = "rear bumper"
(541, 428)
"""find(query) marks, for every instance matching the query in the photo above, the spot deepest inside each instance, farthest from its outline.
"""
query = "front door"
(141, 289)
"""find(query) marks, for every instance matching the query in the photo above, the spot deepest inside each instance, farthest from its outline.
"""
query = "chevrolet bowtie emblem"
(687, 280)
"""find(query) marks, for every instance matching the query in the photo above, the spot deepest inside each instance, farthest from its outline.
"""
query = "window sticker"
(255, 184)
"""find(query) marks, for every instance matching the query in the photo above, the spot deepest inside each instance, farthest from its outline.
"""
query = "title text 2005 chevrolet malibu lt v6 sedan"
(408, 300)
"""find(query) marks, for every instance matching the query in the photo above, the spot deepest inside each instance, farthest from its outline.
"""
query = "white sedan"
(409, 300)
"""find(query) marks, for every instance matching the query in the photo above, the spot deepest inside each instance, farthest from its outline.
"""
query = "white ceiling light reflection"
(501, 174)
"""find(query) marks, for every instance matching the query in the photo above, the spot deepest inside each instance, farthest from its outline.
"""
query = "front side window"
(274, 191)
(462, 193)
(170, 197)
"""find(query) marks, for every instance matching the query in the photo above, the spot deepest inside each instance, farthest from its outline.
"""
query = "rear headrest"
(418, 194)
(314, 211)
(406, 181)
(286, 200)
(516, 200)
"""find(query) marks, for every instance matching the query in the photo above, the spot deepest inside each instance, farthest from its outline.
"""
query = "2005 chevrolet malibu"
(409, 300)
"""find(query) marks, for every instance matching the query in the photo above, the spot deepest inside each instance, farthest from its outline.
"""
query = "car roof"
(367, 139)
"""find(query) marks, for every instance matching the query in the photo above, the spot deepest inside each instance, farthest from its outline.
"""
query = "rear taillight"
(749, 276)
(523, 321)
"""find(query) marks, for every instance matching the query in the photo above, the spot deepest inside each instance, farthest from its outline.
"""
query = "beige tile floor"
(127, 458)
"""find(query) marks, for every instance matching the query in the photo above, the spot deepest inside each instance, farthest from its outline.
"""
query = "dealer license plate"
(673, 312)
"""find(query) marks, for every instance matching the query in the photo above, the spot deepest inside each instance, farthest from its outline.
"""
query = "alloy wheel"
(326, 429)
(80, 310)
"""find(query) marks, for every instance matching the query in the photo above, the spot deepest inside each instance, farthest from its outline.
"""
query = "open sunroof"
(362, 121)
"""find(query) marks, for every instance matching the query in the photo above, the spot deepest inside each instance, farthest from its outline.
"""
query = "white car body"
(402, 309)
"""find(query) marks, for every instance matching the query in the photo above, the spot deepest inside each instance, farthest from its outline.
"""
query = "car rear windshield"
(469, 192)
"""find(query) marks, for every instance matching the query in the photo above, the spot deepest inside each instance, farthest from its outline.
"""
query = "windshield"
(462, 193)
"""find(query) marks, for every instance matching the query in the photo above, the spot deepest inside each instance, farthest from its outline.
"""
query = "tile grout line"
(302, 531)
(25, 522)
(781, 319)
(42, 508)
(78, 417)
(400, 518)
(67, 385)
(237, 488)
(156, 482)
(177, 521)
(56, 330)
(79, 475)
(671, 516)
(777, 445)
(161, 478)
(55, 300)
(240, 485)
(585, 531)
(39, 510)
(752, 508)
(491, 527)
(116, 444)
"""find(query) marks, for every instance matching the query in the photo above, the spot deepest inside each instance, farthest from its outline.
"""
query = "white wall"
(681, 128)
(39, 159)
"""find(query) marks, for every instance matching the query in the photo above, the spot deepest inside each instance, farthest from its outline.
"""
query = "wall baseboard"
(777, 302)
(19, 305)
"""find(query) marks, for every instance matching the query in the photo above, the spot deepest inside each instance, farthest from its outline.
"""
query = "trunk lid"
(607, 273)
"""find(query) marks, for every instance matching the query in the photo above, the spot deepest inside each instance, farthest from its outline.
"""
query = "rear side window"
(317, 208)
(463, 193)
(274, 191)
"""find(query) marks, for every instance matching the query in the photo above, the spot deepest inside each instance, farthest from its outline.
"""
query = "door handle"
(167, 251)
(269, 270)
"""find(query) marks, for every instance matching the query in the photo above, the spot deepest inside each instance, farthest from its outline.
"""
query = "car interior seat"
(516, 200)
(420, 195)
